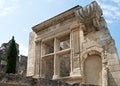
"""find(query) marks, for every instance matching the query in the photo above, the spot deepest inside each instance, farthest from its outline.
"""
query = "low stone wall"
(17, 80)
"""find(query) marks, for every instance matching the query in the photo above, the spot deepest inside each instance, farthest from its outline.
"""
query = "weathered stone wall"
(3, 51)
(103, 39)
(22, 65)
(15, 80)
(31, 55)
(4, 48)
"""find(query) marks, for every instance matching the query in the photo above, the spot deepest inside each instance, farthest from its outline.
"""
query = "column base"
(76, 72)
(56, 76)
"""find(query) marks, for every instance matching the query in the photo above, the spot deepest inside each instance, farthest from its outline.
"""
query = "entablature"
(55, 20)
(88, 16)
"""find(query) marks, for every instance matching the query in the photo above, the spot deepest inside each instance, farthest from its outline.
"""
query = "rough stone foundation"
(16, 80)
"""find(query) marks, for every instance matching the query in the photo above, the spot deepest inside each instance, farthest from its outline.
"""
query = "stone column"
(105, 74)
(82, 27)
(37, 60)
(104, 69)
(56, 67)
(71, 54)
(41, 76)
(42, 62)
(56, 60)
(43, 68)
(75, 52)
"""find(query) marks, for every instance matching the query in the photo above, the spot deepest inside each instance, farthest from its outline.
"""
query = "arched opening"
(93, 69)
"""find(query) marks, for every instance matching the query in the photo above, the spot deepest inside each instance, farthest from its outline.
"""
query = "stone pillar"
(75, 53)
(37, 60)
(56, 67)
(56, 60)
(31, 55)
(82, 27)
(105, 75)
(71, 54)
(41, 76)
(43, 71)
(42, 61)
(104, 72)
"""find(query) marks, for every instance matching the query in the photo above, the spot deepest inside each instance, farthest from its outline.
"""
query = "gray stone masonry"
(17, 80)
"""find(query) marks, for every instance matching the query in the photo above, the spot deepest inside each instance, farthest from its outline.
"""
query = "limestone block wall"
(102, 39)
(22, 65)
(31, 55)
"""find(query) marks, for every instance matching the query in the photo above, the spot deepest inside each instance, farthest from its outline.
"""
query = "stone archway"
(93, 69)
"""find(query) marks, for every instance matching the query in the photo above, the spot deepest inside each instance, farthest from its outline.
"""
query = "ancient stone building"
(4, 48)
(3, 51)
(74, 47)
(22, 65)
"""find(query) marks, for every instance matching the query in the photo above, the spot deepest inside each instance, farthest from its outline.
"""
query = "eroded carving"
(91, 10)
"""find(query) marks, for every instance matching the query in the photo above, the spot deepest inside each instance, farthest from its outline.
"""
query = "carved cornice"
(90, 15)
(92, 10)
(87, 15)
(55, 20)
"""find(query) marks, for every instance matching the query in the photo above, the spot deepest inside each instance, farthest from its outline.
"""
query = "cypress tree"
(11, 57)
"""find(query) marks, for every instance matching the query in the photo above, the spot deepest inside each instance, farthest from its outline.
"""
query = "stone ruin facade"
(74, 47)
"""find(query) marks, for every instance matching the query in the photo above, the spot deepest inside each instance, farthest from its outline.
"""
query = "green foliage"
(11, 57)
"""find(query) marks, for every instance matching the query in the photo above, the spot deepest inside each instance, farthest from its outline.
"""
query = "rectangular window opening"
(65, 65)
(48, 47)
(64, 42)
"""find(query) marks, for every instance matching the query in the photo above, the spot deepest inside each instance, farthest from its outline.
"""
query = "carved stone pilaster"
(104, 68)
(105, 74)
(75, 45)
(37, 59)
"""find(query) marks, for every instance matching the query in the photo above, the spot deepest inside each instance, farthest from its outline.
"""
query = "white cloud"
(1, 1)
(15, 0)
(109, 21)
(23, 50)
(6, 11)
(7, 7)
(117, 2)
(110, 11)
(24, 30)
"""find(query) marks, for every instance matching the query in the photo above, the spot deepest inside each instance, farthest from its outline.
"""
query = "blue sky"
(18, 16)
